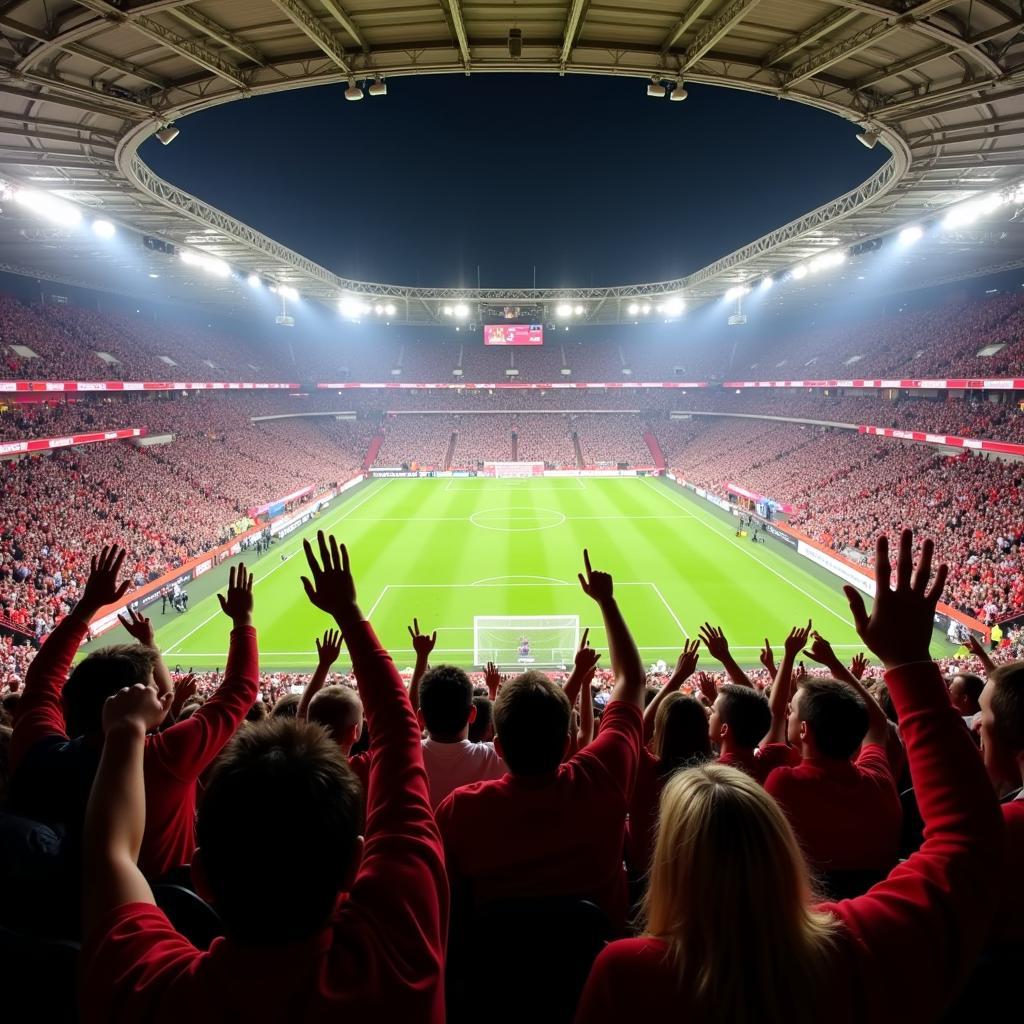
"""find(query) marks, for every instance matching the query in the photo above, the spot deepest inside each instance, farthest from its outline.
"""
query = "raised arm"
(423, 644)
(39, 713)
(782, 687)
(402, 871)
(718, 647)
(139, 627)
(923, 927)
(980, 653)
(327, 651)
(686, 665)
(630, 679)
(878, 725)
(115, 817)
(190, 746)
(584, 665)
(585, 735)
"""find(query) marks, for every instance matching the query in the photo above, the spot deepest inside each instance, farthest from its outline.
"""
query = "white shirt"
(450, 765)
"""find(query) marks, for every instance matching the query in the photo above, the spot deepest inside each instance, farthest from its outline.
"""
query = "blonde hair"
(731, 895)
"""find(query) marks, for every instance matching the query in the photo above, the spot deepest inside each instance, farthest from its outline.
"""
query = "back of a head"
(286, 706)
(1007, 705)
(281, 796)
(338, 709)
(480, 728)
(965, 689)
(726, 863)
(836, 716)
(99, 676)
(680, 732)
(746, 712)
(531, 721)
(446, 699)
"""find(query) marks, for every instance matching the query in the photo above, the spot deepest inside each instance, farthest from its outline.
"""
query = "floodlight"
(645, 308)
(767, 282)
(50, 207)
(563, 309)
(353, 92)
(286, 291)
(390, 309)
(674, 306)
(799, 272)
(634, 308)
(168, 134)
(461, 310)
(679, 93)
(867, 138)
(912, 234)
(655, 88)
(378, 87)
(103, 229)
(253, 281)
(447, 311)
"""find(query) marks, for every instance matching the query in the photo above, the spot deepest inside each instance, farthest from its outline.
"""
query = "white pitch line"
(465, 519)
(373, 607)
(668, 607)
(327, 526)
(703, 522)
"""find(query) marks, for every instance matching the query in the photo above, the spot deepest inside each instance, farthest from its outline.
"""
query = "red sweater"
(381, 958)
(905, 945)
(174, 759)
(760, 763)
(1010, 912)
(560, 835)
(846, 814)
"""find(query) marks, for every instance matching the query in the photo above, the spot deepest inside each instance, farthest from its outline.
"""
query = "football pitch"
(444, 550)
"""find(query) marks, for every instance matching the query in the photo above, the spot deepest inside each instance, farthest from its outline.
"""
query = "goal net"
(514, 469)
(547, 641)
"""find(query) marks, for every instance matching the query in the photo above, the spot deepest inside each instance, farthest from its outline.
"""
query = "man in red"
(358, 933)
(57, 733)
(550, 828)
(740, 719)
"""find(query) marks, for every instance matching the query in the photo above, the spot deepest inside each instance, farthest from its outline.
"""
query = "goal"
(514, 469)
(541, 641)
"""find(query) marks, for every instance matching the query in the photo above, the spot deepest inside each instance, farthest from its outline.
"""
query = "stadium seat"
(550, 944)
(190, 914)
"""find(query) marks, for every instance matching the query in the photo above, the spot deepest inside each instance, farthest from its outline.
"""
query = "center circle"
(517, 519)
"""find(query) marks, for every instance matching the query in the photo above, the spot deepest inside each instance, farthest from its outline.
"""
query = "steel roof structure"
(83, 84)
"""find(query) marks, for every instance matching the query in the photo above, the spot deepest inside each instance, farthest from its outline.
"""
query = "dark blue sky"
(584, 177)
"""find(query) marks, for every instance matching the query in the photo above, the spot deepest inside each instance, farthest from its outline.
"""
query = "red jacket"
(174, 758)
(382, 957)
(905, 945)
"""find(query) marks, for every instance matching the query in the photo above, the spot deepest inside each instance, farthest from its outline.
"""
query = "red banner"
(948, 384)
(971, 443)
(43, 444)
(532, 385)
(135, 385)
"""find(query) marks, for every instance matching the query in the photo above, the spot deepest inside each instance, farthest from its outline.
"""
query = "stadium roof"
(82, 84)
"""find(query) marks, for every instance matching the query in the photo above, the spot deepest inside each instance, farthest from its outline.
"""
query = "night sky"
(583, 177)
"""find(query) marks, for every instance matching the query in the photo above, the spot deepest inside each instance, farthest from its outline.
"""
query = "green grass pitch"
(445, 550)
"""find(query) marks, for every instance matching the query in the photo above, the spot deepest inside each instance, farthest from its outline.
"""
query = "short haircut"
(481, 725)
(972, 684)
(99, 676)
(681, 733)
(446, 698)
(884, 698)
(1008, 704)
(280, 793)
(338, 709)
(746, 712)
(257, 712)
(531, 718)
(836, 716)
(286, 707)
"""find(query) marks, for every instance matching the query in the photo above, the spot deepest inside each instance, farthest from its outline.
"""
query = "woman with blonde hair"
(733, 933)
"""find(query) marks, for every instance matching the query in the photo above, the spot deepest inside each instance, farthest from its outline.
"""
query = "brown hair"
(99, 676)
(531, 719)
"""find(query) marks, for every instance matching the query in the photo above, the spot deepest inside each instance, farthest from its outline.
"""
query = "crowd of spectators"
(612, 438)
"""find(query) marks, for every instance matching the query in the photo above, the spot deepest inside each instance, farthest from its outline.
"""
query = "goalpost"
(547, 641)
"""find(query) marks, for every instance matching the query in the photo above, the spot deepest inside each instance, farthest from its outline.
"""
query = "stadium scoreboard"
(513, 334)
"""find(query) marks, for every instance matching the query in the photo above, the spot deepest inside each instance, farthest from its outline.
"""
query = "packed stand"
(611, 438)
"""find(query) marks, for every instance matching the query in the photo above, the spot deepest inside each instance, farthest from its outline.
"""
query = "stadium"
(637, 574)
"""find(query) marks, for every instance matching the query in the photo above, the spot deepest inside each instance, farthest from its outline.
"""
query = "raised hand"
(899, 628)
(686, 663)
(768, 658)
(800, 674)
(138, 707)
(797, 640)
(493, 679)
(332, 589)
(821, 651)
(237, 606)
(597, 585)
(586, 657)
(715, 641)
(184, 690)
(102, 587)
(708, 689)
(328, 649)
(422, 643)
(858, 666)
(137, 626)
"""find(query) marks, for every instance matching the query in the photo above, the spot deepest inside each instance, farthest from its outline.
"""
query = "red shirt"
(174, 759)
(643, 811)
(382, 957)
(906, 945)
(760, 763)
(560, 835)
(1010, 912)
(846, 814)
